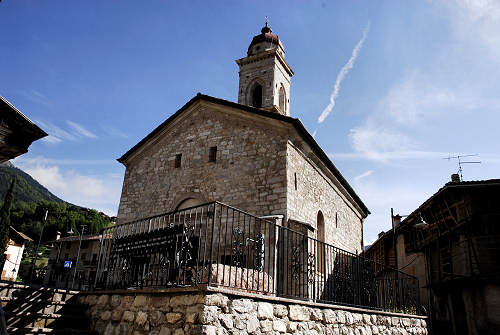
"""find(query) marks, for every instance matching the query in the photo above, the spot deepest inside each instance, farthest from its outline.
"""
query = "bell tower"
(265, 74)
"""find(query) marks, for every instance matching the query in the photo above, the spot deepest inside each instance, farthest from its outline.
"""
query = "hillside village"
(233, 219)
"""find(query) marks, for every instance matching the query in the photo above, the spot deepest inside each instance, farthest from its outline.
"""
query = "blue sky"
(413, 81)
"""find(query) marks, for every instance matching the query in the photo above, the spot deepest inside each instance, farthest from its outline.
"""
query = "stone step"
(41, 330)
(49, 308)
(47, 320)
(38, 298)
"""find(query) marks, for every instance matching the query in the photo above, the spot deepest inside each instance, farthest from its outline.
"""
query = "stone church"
(250, 155)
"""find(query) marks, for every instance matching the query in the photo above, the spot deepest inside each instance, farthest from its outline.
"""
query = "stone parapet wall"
(213, 313)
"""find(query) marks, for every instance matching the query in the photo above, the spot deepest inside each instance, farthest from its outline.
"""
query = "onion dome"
(264, 41)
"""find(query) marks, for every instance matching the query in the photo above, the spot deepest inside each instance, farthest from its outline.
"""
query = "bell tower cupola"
(265, 74)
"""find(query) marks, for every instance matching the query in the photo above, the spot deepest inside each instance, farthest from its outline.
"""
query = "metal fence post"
(212, 245)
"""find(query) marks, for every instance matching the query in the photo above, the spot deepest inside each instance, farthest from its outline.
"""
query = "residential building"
(14, 254)
(452, 244)
(66, 255)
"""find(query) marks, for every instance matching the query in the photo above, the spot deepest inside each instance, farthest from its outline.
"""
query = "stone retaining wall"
(211, 313)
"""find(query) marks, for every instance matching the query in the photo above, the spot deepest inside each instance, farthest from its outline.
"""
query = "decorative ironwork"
(219, 245)
(198, 274)
(296, 264)
(187, 248)
(164, 266)
(238, 248)
(259, 253)
(311, 267)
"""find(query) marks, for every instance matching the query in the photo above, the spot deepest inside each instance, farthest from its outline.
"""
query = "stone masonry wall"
(269, 73)
(262, 72)
(249, 172)
(315, 192)
(254, 171)
(185, 313)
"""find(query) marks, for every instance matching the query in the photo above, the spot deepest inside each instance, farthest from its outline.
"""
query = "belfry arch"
(256, 94)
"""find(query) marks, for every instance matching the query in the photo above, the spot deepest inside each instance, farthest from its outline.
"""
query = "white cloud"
(38, 98)
(363, 175)
(56, 133)
(415, 98)
(476, 22)
(25, 161)
(372, 139)
(422, 103)
(391, 155)
(114, 132)
(403, 196)
(80, 130)
(341, 76)
(51, 139)
(84, 190)
(409, 106)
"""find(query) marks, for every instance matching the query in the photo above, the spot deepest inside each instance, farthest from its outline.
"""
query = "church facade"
(250, 155)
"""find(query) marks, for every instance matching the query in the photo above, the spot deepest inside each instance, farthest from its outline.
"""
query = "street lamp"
(78, 255)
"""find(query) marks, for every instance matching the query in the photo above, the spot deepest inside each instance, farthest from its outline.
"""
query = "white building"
(14, 254)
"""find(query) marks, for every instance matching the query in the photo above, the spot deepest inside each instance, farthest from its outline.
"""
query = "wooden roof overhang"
(445, 212)
(17, 132)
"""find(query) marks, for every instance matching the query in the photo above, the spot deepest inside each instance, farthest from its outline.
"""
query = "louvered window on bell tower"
(257, 96)
(282, 99)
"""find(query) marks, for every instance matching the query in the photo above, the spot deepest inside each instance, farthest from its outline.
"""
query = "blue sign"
(67, 264)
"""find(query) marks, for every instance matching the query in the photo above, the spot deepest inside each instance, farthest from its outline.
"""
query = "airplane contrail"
(340, 77)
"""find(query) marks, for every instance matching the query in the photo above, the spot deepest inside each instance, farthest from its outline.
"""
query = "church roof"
(293, 121)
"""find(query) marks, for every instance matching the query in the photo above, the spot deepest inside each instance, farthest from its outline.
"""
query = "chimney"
(381, 234)
(58, 235)
(396, 220)
(455, 178)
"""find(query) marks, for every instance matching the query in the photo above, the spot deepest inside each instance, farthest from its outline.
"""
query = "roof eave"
(40, 133)
(446, 187)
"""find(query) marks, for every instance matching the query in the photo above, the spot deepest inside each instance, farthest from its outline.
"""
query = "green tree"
(5, 221)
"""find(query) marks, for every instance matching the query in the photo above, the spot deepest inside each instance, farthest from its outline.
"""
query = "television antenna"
(459, 158)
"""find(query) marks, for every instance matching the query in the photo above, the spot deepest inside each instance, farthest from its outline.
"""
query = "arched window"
(282, 99)
(320, 246)
(189, 202)
(257, 96)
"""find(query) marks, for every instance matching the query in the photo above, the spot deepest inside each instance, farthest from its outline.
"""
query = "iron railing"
(217, 245)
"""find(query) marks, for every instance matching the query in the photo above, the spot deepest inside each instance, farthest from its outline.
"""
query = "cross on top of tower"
(266, 28)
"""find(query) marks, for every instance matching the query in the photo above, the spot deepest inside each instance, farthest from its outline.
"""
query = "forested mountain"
(27, 217)
(27, 189)
(32, 200)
